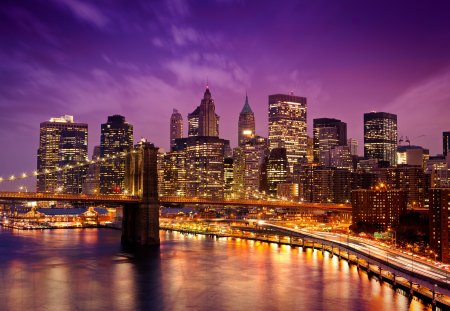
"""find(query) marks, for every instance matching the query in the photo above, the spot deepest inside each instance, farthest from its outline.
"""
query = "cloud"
(182, 36)
(178, 7)
(413, 120)
(216, 68)
(86, 12)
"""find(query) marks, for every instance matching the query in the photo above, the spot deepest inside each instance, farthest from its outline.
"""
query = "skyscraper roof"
(246, 108)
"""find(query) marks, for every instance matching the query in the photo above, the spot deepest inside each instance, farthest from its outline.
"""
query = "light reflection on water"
(85, 269)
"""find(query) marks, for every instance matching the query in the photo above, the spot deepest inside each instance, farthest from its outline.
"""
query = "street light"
(394, 236)
(21, 188)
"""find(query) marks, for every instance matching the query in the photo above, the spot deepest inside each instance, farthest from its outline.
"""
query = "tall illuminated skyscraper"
(204, 121)
(116, 137)
(246, 125)
(380, 136)
(62, 142)
(176, 127)
(287, 126)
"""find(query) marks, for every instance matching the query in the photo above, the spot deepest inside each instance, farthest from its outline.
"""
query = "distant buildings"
(277, 169)
(380, 136)
(327, 133)
(412, 155)
(91, 184)
(176, 127)
(287, 126)
(445, 143)
(62, 144)
(379, 208)
(204, 166)
(246, 125)
(204, 121)
(116, 137)
(439, 222)
(248, 162)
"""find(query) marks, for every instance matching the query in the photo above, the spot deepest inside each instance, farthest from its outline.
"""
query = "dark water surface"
(85, 269)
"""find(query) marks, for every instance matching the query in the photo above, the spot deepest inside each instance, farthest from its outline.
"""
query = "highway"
(392, 257)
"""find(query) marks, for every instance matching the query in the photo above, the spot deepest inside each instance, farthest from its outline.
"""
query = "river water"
(85, 269)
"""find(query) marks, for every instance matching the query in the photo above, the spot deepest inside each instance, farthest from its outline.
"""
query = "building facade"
(439, 222)
(445, 143)
(277, 169)
(176, 127)
(116, 138)
(246, 124)
(380, 207)
(380, 136)
(287, 126)
(339, 133)
(63, 145)
(248, 162)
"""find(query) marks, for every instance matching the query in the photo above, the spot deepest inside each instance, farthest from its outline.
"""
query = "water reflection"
(87, 270)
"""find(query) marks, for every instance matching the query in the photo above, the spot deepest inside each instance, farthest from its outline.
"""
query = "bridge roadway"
(98, 198)
(253, 202)
(406, 266)
(94, 198)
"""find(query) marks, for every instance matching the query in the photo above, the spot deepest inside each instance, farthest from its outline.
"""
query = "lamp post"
(394, 237)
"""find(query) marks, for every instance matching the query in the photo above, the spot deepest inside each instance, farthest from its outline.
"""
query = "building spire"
(246, 108)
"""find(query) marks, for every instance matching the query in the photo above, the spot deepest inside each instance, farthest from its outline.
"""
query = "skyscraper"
(193, 119)
(246, 125)
(176, 127)
(340, 130)
(439, 222)
(277, 169)
(248, 159)
(116, 137)
(204, 121)
(328, 138)
(380, 136)
(62, 143)
(445, 143)
(287, 126)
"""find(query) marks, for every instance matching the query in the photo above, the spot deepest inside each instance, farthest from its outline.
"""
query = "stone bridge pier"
(140, 224)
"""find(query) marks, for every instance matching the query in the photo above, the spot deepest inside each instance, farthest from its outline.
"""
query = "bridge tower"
(140, 224)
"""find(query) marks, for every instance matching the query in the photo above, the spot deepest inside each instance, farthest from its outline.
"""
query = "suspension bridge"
(141, 202)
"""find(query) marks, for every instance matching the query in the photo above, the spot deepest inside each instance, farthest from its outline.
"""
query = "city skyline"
(341, 58)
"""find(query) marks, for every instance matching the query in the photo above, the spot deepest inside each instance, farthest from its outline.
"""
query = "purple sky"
(140, 59)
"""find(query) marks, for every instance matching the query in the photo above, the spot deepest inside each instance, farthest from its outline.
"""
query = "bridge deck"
(99, 198)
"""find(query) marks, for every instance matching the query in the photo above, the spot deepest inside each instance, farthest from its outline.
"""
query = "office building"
(439, 222)
(228, 175)
(380, 137)
(62, 144)
(246, 124)
(172, 171)
(277, 169)
(412, 155)
(204, 165)
(116, 138)
(248, 160)
(380, 207)
(352, 143)
(287, 126)
(339, 132)
(176, 127)
(445, 143)
(204, 121)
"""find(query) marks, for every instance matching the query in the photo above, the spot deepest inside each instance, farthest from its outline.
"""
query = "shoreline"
(372, 270)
